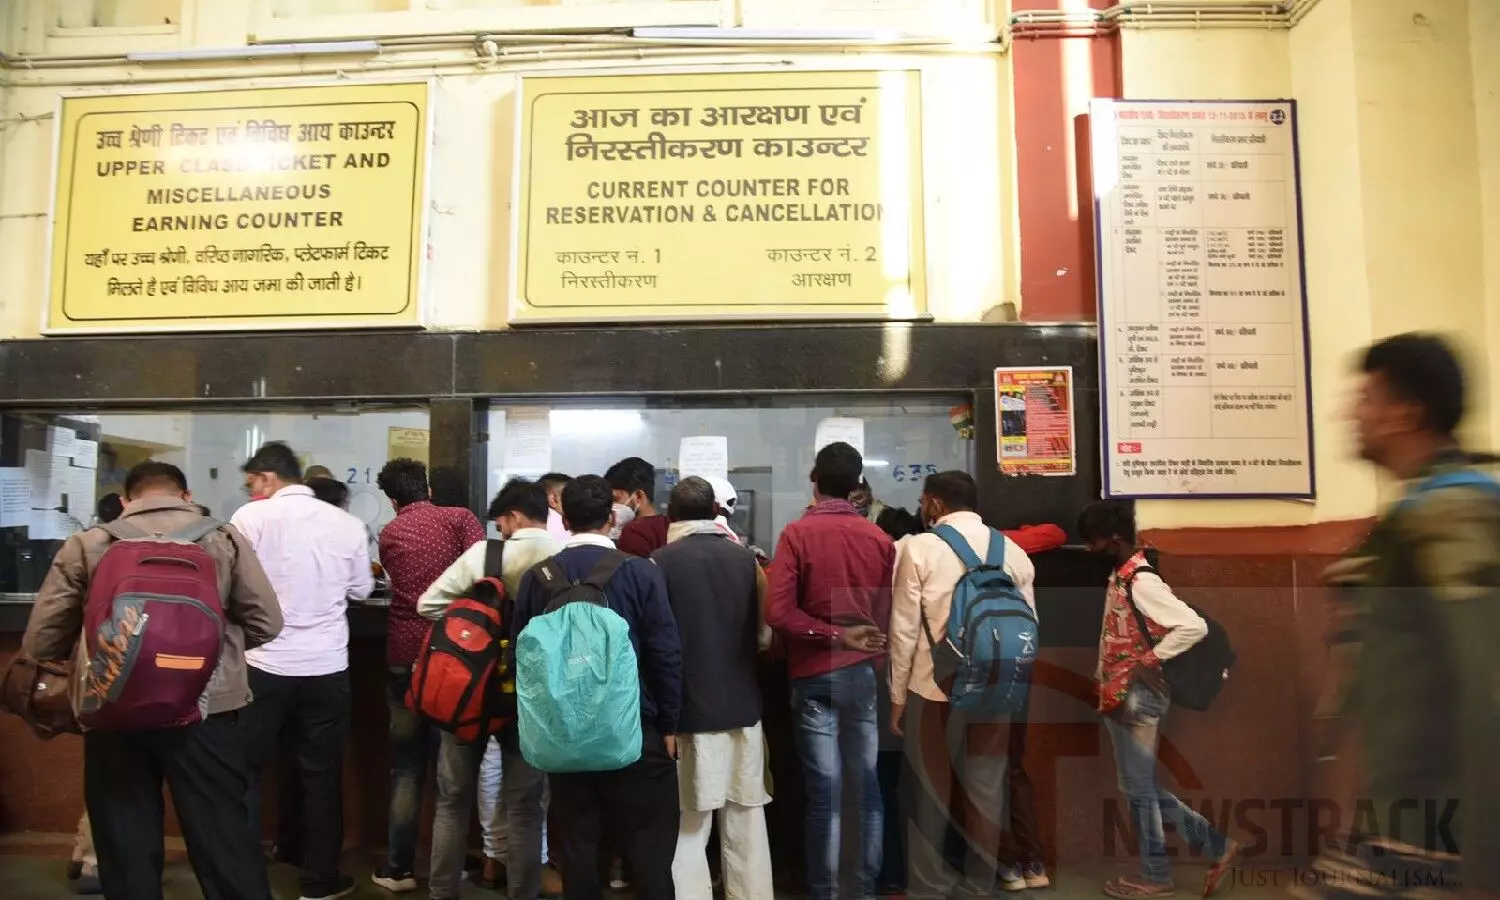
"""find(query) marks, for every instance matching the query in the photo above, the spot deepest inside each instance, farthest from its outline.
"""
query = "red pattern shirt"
(415, 548)
(1122, 647)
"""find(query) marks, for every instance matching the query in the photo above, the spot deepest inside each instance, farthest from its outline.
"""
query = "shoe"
(1036, 875)
(88, 881)
(1138, 889)
(1221, 867)
(75, 868)
(397, 881)
(552, 884)
(1011, 879)
(345, 888)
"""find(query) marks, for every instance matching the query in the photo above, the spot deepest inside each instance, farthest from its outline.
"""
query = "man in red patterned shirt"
(415, 548)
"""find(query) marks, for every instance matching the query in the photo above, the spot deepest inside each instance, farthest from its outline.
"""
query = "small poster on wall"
(1034, 412)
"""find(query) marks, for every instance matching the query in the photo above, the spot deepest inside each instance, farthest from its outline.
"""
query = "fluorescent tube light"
(709, 33)
(256, 51)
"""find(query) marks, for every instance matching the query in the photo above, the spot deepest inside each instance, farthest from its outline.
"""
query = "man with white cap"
(724, 500)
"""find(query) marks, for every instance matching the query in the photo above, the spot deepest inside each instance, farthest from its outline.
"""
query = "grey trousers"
(521, 804)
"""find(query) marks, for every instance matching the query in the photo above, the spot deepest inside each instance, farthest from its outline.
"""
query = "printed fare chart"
(1203, 348)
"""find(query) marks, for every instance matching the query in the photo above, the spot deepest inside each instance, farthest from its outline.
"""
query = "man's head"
(946, 493)
(1107, 529)
(520, 504)
(404, 481)
(633, 483)
(154, 478)
(330, 491)
(725, 496)
(692, 500)
(862, 497)
(109, 507)
(1411, 399)
(273, 467)
(588, 505)
(316, 472)
(553, 483)
(837, 471)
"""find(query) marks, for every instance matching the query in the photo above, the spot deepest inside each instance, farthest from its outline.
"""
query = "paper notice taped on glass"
(62, 441)
(50, 525)
(15, 497)
(703, 456)
(528, 442)
(849, 431)
(86, 453)
(81, 486)
(46, 491)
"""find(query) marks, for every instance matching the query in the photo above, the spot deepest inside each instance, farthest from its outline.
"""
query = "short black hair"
(1422, 369)
(528, 498)
(275, 458)
(692, 500)
(329, 490)
(956, 489)
(898, 523)
(154, 471)
(632, 474)
(109, 507)
(404, 481)
(553, 480)
(587, 502)
(837, 470)
(1108, 519)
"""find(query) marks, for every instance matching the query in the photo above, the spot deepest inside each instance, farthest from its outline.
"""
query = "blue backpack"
(984, 661)
(578, 689)
(1455, 478)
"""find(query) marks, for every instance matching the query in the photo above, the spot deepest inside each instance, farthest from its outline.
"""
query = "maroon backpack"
(153, 626)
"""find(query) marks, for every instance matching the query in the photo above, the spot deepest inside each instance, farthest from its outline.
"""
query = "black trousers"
(313, 715)
(1020, 843)
(636, 806)
(204, 765)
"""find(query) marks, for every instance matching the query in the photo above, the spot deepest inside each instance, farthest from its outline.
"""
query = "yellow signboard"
(284, 207)
(750, 195)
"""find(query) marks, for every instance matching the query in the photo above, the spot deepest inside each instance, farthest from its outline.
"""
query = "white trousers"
(743, 845)
(491, 811)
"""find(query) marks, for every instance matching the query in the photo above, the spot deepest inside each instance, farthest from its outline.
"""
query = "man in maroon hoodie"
(830, 584)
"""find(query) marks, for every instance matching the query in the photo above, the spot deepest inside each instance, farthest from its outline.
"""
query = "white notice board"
(1202, 308)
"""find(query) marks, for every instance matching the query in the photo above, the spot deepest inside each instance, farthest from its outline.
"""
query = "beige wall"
(1399, 203)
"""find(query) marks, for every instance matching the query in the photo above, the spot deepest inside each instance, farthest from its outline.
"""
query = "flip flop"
(1221, 868)
(1130, 889)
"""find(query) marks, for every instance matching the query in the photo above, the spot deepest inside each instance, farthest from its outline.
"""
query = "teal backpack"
(578, 689)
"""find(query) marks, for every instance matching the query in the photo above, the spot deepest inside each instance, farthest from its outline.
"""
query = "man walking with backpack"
(1423, 591)
(599, 691)
(940, 590)
(107, 583)
(1145, 625)
(830, 599)
(317, 557)
(520, 514)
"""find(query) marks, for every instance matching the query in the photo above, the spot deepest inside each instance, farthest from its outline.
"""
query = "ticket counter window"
(56, 466)
(770, 446)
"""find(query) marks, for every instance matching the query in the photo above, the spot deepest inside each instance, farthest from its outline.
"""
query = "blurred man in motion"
(1425, 593)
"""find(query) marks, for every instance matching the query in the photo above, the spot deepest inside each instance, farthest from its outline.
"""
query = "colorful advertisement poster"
(638, 194)
(1034, 409)
(287, 207)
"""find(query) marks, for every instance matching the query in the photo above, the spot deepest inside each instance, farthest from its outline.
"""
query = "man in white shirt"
(518, 839)
(927, 570)
(318, 559)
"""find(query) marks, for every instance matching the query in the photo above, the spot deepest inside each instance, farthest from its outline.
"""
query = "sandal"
(1132, 889)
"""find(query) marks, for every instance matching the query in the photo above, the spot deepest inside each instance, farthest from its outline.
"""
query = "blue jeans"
(413, 743)
(836, 727)
(1134, 727)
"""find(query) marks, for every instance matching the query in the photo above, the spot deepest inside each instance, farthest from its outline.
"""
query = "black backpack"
(1196, 675)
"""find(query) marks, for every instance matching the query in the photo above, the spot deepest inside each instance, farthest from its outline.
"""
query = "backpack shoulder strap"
(958, 544)
(196, 531)
(554, 580)
(996, 555)
(605, 569)
(494, 558)
(1471, 478)
(1140, 618)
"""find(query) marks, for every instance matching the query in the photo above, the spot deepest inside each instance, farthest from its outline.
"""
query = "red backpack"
(153, 626)
(463, 680)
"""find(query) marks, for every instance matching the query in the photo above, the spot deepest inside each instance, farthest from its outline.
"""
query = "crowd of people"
(881, 750)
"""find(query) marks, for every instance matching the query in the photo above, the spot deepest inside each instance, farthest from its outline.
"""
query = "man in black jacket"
(715, 587)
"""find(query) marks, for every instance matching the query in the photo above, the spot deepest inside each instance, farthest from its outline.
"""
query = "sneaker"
(1011, 879)
(1036, 875)
(397, 881)
(87, 881)
(344, 888)
(1221, 868)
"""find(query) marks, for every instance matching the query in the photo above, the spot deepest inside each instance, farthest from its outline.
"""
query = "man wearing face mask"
(642, 530)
